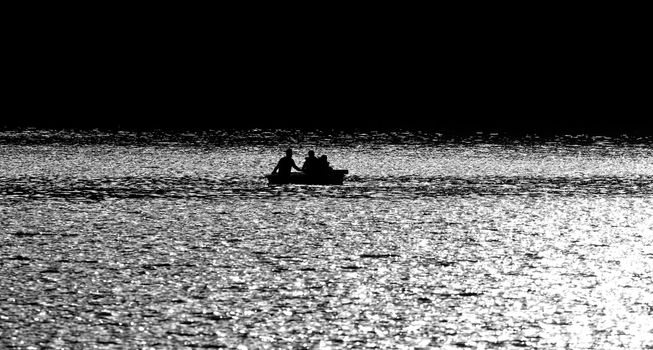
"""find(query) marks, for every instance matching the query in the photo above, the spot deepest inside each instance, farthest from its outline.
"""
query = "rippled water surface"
(154, 240)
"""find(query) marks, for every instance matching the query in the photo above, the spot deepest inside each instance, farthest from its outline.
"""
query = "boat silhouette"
(333, 177)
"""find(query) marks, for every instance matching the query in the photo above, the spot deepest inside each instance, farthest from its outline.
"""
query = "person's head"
(323, 157)
(289, 152)
(311, 153)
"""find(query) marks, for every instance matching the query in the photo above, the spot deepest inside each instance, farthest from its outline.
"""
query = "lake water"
(159, 240)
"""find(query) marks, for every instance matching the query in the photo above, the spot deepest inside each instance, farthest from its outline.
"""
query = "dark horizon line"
(636, 130)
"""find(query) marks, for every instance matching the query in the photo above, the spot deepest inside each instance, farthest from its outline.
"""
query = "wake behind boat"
(334, 177)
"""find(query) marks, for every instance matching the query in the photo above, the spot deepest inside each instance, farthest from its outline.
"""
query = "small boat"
(334, 177)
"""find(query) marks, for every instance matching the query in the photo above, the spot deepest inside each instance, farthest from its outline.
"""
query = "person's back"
(310, 164)
(285, 165)
(323, 165)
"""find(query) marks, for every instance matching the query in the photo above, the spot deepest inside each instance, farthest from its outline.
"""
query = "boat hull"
(335, 177)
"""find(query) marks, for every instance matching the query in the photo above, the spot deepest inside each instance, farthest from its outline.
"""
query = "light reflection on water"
(465, 244)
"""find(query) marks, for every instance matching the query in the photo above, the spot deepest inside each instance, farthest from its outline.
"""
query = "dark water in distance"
(175, 240)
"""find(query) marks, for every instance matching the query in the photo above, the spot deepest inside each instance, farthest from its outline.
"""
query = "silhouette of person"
(323, 165)
(285, 165)
(310, 163)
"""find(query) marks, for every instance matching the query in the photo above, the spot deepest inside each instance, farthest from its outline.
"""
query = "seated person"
(310, 164)
(285, 165)
(323, 165)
